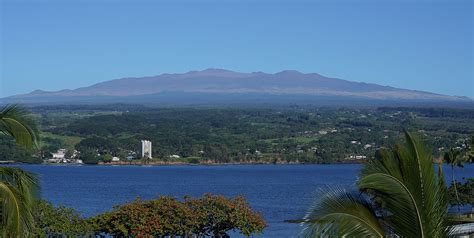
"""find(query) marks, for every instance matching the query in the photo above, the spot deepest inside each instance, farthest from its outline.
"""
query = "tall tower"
(146, 149)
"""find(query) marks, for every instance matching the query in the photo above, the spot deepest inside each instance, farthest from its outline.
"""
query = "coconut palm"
(468, 155)
(455, 159)
(18, 188)
(399, 194)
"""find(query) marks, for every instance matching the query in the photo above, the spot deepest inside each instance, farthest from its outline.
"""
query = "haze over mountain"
(225, 82)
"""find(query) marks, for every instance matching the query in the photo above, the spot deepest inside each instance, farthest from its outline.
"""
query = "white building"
(358, 157)
(60, 154)
(146, 149)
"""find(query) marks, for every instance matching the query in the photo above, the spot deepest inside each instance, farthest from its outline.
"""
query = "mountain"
(216, 83)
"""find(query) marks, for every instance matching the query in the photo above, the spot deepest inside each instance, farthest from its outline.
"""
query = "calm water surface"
(279, 192)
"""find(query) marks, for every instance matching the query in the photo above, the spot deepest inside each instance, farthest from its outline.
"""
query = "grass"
(69, 141)
(299, 139)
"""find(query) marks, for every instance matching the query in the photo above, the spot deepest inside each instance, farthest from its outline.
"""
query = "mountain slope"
(219, 81)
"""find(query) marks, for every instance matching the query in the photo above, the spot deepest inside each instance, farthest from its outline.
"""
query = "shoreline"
(180, 163)
(162, 163)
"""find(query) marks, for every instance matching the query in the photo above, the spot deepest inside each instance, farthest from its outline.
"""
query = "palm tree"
(399, 194)
(455, 159)
(18, 188)
(468, 155)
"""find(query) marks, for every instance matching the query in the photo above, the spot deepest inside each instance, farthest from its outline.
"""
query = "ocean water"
(279, 192)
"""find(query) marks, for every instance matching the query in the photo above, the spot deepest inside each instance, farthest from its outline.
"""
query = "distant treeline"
(223, 135)
(433, 111)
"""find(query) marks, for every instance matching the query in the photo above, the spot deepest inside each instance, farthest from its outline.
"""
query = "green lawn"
(69, 141)
(299, 139)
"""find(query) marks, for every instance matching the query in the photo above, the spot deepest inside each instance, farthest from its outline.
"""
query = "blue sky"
(423, 45)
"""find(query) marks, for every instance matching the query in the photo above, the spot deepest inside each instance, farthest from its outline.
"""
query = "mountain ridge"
(214, 80)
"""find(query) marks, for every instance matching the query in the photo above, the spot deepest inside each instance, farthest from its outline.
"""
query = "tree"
(89, 156)
(107, 158)
(101, 145)
(216, 215)
(399, 193)
(18, 188)
(464, 193)
(51, 221)
(167, 217)
(468, 155)
(455, 159)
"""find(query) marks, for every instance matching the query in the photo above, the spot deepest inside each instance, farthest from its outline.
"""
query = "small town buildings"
(60, 154)
(60, 157)
(357, 157)
(75, 154)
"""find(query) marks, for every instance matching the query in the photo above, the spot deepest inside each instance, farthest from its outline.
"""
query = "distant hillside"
(219, 83)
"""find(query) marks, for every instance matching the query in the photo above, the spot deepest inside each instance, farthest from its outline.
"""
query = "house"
(175, 156)
(358, 157)
(60, 154)
(115, 159)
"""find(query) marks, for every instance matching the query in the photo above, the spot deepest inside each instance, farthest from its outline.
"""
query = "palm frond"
(406, 181)
(454, 158)
(16, 122)
(16, 213)
(340, 213)
(18, 191)
(27, 183)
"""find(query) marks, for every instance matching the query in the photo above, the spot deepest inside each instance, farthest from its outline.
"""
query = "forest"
(291, 134)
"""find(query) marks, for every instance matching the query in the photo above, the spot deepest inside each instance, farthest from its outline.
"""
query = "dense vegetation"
(258, 135)
(210, 215)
